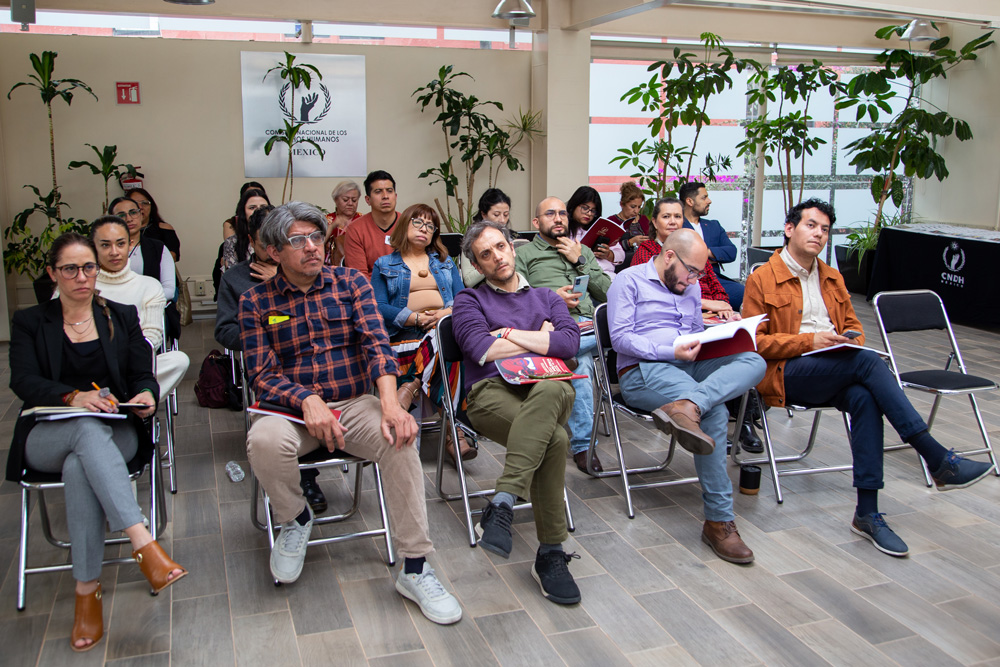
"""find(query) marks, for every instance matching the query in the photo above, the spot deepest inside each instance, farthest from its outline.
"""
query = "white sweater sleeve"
(168, 275)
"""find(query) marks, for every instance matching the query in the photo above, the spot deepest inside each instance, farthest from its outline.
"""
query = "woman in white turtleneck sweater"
(118, 282)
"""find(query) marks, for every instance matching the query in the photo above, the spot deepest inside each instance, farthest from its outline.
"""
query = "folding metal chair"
(448, 353)
(32, 480)
(923, 310)
(170, 411)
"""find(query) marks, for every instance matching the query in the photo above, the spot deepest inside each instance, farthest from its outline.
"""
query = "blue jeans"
(581, 419)
(709, 384)
(859, 383)
(734, 290)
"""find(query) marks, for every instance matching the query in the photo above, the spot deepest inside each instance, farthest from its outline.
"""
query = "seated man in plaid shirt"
(313, 341)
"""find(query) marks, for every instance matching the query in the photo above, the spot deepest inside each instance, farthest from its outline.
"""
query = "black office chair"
(448, 353)
(923, 310)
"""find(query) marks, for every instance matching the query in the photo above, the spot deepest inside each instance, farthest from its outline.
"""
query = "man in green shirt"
(554, 260)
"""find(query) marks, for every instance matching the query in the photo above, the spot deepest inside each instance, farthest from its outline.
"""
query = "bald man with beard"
(649, 306)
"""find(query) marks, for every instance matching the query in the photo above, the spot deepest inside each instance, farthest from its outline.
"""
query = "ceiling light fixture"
(920, 30)
(518, 12)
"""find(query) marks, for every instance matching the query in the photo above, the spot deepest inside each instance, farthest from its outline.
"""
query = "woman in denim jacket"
(415, 287)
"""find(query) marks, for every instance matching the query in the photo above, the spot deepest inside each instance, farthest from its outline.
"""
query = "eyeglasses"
(131, 213)
(69, 271)
(555, 214)
(142, 202)
(692, 272)
(590, 210)
(419, 223)
(298, 242)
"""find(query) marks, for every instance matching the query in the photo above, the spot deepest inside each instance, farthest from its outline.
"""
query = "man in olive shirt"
(554, 260)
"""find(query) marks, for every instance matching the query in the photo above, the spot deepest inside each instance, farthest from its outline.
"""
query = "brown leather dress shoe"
(726, 542)
(683, 419)
(580, 459)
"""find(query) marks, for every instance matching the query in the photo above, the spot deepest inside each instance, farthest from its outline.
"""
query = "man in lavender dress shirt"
(649, 306)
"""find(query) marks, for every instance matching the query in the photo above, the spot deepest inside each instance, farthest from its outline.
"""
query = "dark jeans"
(859, 383)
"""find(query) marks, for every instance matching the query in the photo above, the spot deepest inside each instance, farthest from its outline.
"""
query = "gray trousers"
(91, 454)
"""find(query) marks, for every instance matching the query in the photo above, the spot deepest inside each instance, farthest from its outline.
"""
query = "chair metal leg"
(570, 525)
(384, 512)
(170, 449)
(986, 437)
(22, 557)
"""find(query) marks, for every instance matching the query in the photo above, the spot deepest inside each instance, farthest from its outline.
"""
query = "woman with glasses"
(152, 225)
(146, 255)
(415, 286)
(345, 210)
(668, 217)
(584, 209)
(237, 247)
(58, 351)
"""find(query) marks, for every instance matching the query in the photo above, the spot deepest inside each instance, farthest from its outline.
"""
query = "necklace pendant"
(422, 273)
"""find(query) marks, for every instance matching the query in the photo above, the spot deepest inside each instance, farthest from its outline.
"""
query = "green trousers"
(528, 420)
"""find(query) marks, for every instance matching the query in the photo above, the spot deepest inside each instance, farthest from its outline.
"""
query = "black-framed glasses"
(587, 208)
(69, 271)
(131, 213)
(420, 223)
(299, 241)
(692, 272)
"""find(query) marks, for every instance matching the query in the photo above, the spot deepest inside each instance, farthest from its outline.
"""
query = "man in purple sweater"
(502, 318)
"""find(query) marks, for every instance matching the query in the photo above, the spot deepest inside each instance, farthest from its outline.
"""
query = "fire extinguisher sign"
(127, 92)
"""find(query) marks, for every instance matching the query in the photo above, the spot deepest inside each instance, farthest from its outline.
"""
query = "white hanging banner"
(333, 111)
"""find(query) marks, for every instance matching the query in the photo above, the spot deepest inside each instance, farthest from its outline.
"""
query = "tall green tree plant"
(908, 138)
(296, 76)
(51, 89)
(474, 138)
(661, 165)
(107, 168)
(785, 135)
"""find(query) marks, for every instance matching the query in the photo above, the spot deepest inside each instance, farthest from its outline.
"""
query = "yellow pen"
(104, 392)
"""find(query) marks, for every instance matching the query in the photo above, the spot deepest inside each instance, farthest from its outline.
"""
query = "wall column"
(560, 88)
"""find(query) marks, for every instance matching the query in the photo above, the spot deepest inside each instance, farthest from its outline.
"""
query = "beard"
(670, 279)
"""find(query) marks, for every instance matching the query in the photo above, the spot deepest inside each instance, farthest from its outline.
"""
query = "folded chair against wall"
(448, 353)
(923, 310)
(34, 481)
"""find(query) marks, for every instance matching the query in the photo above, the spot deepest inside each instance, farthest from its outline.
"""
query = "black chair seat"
(323, 454)
(30, 476)
(620, 400)
(945, 380)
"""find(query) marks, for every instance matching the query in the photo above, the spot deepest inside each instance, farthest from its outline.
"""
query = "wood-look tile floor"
(653, 594)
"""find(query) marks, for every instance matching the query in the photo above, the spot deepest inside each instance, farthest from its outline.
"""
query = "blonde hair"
(630, 191)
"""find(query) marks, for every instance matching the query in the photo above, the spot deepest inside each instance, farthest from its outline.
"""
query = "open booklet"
(841, 346)
(529, 370)
(725, 339)
(610, 230)
(275, 410)
(46, 413)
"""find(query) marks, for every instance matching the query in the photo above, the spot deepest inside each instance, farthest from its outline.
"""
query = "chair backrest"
(606, 354)
(911, 310)
(447, 345)
(453, 244)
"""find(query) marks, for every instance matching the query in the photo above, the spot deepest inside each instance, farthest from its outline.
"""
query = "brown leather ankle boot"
(726, 542)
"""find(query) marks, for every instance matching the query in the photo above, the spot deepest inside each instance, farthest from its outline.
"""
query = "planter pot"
(44, 288)
(856, 274)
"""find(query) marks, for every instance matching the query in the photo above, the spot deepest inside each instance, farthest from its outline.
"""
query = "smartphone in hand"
(580, 284)
(851, 333)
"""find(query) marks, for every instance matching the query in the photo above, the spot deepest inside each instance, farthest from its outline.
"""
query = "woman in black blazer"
(57, 350)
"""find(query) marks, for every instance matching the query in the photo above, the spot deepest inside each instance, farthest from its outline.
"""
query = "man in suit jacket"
(721, 250)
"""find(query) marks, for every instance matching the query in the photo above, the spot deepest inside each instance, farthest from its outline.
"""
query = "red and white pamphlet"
(609, 229)
(275, 410)
(529, 370)
(841, 346)
(730, 338)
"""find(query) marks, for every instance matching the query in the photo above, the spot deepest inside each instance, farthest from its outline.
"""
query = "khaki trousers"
(274, 445)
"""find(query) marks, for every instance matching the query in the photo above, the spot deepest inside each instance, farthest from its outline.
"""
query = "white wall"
(187, 133)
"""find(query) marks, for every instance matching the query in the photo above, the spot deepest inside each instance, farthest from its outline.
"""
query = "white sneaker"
(289, 552)
(435, 602)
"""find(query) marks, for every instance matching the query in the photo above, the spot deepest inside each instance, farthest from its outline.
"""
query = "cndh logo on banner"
(954, 261)
(307, 104)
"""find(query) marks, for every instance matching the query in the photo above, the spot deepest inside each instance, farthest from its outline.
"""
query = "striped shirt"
(329, 341)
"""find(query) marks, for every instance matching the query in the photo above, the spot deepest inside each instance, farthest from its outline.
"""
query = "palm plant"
(107, 168)
(50, 89)
(295, 75)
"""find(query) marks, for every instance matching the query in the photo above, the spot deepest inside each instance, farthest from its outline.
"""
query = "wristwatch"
(580, 261)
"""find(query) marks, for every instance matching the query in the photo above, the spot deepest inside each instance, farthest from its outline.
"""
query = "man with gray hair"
(505, 318)
(314, 343)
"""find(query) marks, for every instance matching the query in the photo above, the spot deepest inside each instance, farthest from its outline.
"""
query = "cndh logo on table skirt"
(954, 262)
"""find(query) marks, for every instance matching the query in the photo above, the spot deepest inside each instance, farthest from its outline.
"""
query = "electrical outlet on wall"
(199, 288)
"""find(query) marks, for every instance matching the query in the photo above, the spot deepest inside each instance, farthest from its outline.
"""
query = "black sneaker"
(957, 472)
(874, 529)
(553, 577)
(493, 529)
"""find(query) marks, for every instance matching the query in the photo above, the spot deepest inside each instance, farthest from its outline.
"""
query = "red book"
(725, 339)
(609, 229)
(275, 410)
(529, 370)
